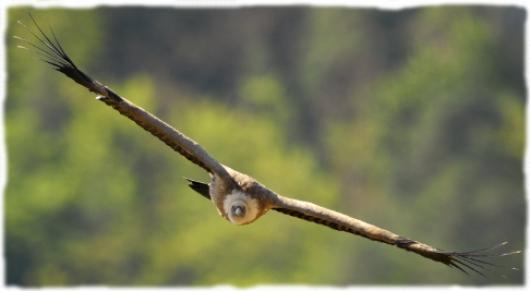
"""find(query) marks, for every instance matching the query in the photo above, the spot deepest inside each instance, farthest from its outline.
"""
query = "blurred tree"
(412, 120)
(427, 140)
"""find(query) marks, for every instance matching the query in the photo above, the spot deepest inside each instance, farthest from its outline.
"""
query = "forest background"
(412, 120)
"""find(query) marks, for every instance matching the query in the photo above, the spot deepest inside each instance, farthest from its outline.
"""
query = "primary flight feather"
(238, 197)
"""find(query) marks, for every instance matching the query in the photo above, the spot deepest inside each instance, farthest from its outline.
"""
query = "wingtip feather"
(472, 260)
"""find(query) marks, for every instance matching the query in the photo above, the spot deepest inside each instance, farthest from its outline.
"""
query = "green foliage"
(429, 145)
(430, 137)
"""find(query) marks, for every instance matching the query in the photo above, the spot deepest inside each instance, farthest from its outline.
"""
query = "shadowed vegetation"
(412, 120)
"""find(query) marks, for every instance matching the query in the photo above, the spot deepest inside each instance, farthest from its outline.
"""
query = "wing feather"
(53, 53)
(463, 261)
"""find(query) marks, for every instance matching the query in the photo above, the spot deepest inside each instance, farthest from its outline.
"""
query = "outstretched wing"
(471, 260)
(53, 53)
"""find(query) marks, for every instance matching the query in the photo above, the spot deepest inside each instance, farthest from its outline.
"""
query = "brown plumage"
(239, 197)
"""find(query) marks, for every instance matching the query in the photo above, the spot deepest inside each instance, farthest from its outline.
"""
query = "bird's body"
(238, 197)
(243, 189)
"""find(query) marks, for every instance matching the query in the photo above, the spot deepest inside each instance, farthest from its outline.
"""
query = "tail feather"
(199, 187)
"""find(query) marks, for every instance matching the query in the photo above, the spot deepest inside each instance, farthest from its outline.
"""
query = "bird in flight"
(238, 197)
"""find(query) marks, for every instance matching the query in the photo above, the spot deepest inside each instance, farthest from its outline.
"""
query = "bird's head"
(241, 208)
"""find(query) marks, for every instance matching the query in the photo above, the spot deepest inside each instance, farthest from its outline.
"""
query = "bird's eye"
(238, 210)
